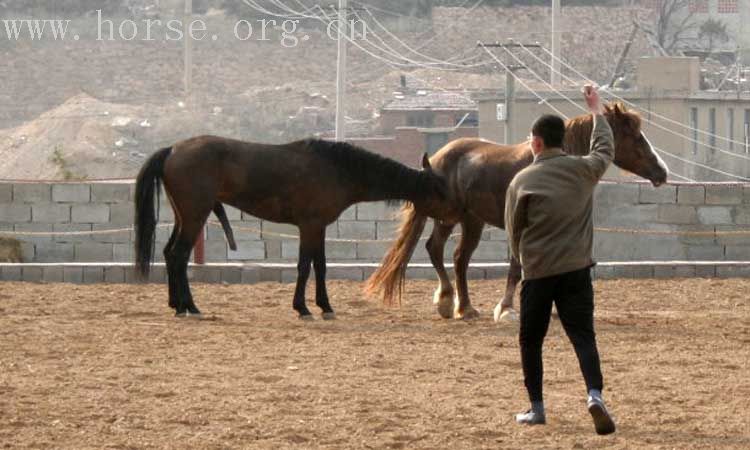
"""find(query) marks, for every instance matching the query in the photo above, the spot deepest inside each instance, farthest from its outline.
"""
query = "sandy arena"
(107, 366)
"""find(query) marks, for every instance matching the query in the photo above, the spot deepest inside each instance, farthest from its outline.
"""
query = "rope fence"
(612, 230)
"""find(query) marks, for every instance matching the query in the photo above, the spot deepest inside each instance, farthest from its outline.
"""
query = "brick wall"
(73, 207)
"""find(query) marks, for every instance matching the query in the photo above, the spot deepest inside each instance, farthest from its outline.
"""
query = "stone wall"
(78, 212)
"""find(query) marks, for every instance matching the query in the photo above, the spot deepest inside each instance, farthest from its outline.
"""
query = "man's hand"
(591, 95)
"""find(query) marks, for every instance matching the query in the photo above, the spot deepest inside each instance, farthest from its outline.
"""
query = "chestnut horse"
(478, 173)
(307, 183)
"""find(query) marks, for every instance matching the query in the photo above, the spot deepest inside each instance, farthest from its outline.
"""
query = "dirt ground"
(107, 366)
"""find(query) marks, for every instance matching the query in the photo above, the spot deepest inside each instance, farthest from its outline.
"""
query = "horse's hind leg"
(504, 309)
(443, 297)
(189, 230)
(470, 237)
(169, 261)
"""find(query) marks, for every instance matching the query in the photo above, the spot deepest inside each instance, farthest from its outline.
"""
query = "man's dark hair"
(551, 129)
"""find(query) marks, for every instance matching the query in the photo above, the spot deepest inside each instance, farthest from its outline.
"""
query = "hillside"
(256, 90)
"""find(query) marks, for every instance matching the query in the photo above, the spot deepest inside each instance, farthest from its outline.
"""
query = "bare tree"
(713, 31)
(671, 24)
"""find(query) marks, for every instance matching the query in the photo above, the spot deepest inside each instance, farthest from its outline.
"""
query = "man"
(548, 216)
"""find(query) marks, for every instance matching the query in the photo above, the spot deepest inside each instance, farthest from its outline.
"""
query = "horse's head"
(633, 152)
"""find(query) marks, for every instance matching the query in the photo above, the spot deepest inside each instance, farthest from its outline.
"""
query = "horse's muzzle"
(658, 177)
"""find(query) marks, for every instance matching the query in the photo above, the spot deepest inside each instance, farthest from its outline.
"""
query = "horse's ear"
(618, 109)
(426, 162)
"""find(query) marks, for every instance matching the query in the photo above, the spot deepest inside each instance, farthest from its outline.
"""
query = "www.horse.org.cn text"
(286, 32)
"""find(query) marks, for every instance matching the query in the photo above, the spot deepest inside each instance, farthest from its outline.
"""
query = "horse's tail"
(390, 276)
(147, 187)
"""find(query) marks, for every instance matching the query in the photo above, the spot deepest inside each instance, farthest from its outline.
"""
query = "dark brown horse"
(307, 183)
(478, 173)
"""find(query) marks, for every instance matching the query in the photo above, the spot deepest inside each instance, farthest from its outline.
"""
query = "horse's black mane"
(379, 174)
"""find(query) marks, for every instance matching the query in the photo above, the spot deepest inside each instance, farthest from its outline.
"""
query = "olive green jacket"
(549, 207)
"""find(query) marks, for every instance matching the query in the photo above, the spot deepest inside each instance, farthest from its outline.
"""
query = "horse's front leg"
(504, 310)
(303, 273)
(443, 297)
(470, 237)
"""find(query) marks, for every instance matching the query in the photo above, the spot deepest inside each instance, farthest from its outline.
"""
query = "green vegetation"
(58, 159)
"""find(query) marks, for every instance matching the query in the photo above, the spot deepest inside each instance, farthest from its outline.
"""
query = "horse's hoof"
(505, 314)
(307, 317)
(497, 312)
(445, 309)
(469, 314)
(329, 315)
(444, 303)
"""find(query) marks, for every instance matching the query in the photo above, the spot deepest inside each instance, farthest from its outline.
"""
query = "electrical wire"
(660, 116)
(561, 95)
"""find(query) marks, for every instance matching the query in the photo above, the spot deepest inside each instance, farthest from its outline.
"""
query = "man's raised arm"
(602, 140)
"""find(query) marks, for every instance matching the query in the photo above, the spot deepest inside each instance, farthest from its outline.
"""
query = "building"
(419, 120)
(712, 127)
(735, 14)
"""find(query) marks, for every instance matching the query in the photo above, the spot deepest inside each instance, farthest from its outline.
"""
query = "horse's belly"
(273, 209)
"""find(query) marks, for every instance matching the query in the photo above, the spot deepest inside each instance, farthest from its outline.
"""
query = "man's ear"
(426, 162)
(536, 141)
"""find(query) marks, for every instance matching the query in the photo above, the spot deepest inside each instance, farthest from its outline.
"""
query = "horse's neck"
(577, 140)
(405, 185)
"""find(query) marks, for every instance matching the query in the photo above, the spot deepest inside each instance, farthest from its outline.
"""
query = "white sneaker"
(530, 418)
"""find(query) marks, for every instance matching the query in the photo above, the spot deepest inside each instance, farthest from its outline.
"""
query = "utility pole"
(556, 43)
(510, 100)
(510, 87)
(341, 73)
(188, 53)
(199, 252)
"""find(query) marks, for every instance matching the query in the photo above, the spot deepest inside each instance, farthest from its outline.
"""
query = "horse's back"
(301, 180)
(479, 172)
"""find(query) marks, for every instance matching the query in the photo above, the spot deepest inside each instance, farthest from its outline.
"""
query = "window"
(694, 127)
(712, 129)
(698, 6)
(730, 128)
(469, 120)
(420, 119)
(746, 128)
(727, 7)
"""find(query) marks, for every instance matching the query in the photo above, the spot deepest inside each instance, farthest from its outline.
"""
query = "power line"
(407, 47)
(556, 92)
(657, 125)
(432, 65)
(323, 17)
(463, 16)
(681, 177)
(712, 169)
(553, 89)
(665, 118)
(508, 70)
(394, 66)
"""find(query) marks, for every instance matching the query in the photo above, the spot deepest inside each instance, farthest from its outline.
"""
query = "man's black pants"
(573, 295)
